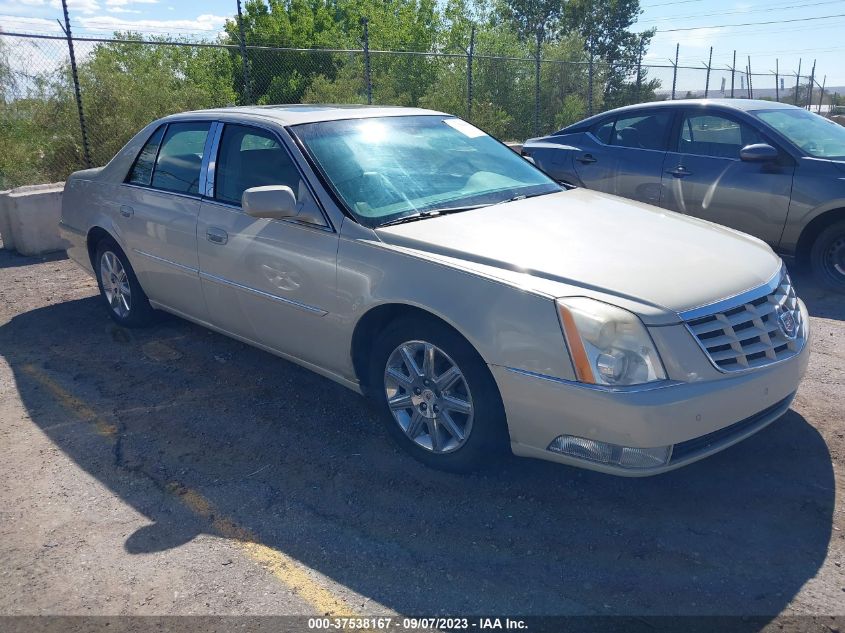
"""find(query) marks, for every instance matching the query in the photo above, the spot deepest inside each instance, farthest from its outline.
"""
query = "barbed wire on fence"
(124, 83)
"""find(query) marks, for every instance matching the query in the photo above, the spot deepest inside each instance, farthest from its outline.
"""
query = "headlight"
(609, 345)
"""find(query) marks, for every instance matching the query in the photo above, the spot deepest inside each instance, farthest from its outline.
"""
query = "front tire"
(437, 396)
(123, 296)
(827, 257)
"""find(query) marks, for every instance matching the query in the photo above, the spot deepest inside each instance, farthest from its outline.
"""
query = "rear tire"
(437, 396)
(827, 257)
(122, 295)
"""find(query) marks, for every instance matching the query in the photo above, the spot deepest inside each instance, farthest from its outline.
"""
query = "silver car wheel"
(428, 396)
(115, 284)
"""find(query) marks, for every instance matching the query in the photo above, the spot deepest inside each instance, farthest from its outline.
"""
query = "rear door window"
(641, 130)
(603, 131)
(180, 158)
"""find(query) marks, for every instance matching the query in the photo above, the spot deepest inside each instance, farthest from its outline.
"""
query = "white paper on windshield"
(464, 128)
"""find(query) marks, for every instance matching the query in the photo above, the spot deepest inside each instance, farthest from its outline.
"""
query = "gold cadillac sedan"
(411, 257)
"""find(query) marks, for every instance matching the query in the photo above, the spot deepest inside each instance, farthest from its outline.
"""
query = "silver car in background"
(409, 256)
(768, 169)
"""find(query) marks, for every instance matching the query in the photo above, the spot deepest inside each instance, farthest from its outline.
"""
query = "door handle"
(586, 159)
(217, 236)
(679, 172)
(126, 211)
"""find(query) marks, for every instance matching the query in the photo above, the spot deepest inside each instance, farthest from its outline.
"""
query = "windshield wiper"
(422, 215)
(470, 207)
(524, 196)
(431, 213)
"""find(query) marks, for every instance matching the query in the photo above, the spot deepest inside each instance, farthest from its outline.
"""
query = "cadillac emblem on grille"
(787, 323)
(764, 326)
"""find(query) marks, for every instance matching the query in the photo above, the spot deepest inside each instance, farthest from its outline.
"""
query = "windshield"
(387, 168)
(816, 135)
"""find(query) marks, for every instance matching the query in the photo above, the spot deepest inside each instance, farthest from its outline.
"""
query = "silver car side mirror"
(273, 202)
(758, 153)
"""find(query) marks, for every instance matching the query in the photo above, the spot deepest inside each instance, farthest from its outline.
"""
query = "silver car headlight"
(608, 345)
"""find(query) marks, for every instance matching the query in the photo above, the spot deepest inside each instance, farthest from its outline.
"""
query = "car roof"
(295, 114)
(742, 105)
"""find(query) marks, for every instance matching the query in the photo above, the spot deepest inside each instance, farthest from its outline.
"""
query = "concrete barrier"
(5, 230)
(29, 219)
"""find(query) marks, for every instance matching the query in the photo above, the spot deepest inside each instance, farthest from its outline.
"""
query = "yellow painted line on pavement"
(298, 577)
(292, 573)
(71, 402)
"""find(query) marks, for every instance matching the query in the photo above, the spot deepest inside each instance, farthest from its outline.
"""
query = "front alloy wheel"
(436, 395)
(428, 396)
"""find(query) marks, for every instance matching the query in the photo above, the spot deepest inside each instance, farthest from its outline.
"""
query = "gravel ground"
(175, 471)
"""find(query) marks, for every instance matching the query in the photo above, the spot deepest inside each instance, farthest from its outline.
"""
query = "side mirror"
(273, 202)
(758, 153)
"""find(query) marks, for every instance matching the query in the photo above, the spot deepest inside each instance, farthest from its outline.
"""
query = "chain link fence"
(125, 84)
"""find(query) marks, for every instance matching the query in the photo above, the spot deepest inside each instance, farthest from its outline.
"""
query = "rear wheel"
(437, 397)
(125, 299)
(827, 257)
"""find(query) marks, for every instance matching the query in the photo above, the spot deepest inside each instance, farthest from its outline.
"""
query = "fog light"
(583, 448)
(644, 457)
(611, 454)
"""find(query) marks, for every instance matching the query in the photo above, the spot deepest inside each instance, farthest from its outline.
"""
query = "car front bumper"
(696, 418)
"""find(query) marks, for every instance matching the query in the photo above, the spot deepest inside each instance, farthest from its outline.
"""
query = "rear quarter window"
(142, 170)
(603, 131)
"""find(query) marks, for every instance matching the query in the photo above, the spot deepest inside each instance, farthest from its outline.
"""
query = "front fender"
(508, 326)
(800, 217)
(818, 187)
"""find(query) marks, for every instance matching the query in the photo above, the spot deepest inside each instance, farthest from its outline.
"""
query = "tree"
(40, 139)
(8, 82)
(536, 20)
(605, 27)
(286, 76)
(282, 77)
(310, 51)
(798, 95)
(117, 104)
(22, 135)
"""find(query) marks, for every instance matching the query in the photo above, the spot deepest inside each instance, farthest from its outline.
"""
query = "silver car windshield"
(388, 168)
(816, 135)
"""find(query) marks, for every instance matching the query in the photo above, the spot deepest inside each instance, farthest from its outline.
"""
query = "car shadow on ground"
(304, 467)
(821, 302)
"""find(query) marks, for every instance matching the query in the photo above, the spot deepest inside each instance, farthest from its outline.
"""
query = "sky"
(695, 24)
(783, 40)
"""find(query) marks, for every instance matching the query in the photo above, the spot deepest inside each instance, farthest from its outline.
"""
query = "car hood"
(583, 242)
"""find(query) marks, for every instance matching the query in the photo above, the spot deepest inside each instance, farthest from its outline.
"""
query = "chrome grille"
(754, 332)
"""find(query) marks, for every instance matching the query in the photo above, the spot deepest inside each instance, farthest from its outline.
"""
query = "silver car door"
(159, 206)
(270, 281)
